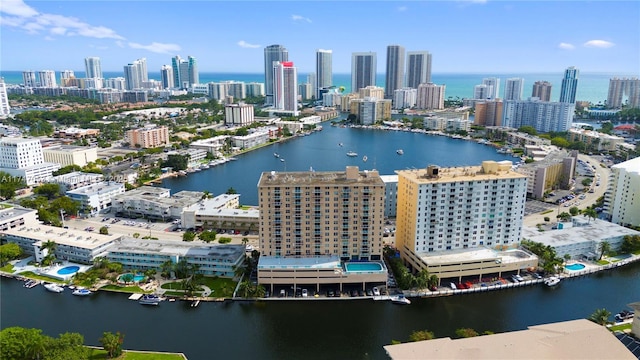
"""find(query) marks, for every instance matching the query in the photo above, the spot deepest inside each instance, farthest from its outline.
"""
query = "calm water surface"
(321, 152)
(342, 329)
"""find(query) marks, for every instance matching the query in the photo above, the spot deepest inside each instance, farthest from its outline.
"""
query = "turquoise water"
(68, 270)
(136, 277)
(363, 266)
(592, 87)
(575, 267)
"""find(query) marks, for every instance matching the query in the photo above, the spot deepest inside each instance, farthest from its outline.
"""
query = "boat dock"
(135, 297)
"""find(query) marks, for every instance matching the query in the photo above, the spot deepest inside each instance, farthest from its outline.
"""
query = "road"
(591, 198)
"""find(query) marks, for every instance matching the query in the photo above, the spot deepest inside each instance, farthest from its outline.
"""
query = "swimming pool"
(129, 277)
(363, 267)
(67, 270)
(575, 267)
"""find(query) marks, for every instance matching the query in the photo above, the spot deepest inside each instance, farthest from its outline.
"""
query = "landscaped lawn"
(99, 354)
(7, 268)
(602, 262)
(32, 275)
(127, 289)
(620, 327)
(221, 287)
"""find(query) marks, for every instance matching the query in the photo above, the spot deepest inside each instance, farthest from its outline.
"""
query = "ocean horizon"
(592, 87)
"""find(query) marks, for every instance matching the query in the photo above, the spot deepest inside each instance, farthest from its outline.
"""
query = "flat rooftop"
(389, 178)
(320, 262)
(213, 204)
(67, 148)
(225, 253)
(465, 173)
(631, 166)
(97, 188)
(275, 178)
(475, 254)
(76, 177)
(13, 212)
(576, 339)
(595, 230)
(70, 237)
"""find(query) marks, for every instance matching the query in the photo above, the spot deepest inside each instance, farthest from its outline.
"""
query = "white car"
(304, 293)
(376, 292)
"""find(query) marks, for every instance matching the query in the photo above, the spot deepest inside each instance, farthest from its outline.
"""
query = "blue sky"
(463, 36)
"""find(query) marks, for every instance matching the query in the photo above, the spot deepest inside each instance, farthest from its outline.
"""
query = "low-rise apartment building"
(96, 198)
(622, 200)
(148, 137)
(600, 141)
(76, 179)
(220, 212)
(556, 170)
(66, 155)
(154, 202)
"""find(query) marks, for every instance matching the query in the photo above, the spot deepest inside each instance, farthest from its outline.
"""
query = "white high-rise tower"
(324, 71)
(93, 67)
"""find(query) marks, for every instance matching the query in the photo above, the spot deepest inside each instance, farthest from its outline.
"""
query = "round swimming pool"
(575, 267)
(67, 270)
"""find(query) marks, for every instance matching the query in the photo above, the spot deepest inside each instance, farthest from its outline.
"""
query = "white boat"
(53, 288)
(195, 303)
(352, 154)
(276, 155)
(340, 144)
(282, 160)
(400, 300)
(149, 299)
(364, 158)
(204, 166)
(399, 151)
(552, 281)
(82, 292)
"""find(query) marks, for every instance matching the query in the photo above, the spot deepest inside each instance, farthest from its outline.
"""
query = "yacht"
(276, 155)
(340, 144)
(400, 299)
(399, 151)
(149, 299)
(54, 288)
(282, 160)
(82, 292)
(552, 281)
(352, 154)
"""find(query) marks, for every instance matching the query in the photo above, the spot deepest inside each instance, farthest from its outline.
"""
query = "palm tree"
(50, 246)
(245, 241)
(590, 213)
(245, 289)
(600, 316)
(604, 247)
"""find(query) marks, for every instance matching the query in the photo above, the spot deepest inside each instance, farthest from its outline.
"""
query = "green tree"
(20, 343)
(564, 216)
(231, 191)
(466, 333)
(50, 190)
(603, 248)
(9, 184)
(50, 258)
(207, 236)
(104, 230)
(176, 162)
(9, 252)
(67, 169)
(590, 213)
(560, 142)
(112, 343)
(574, 210)
(188, 236)
(600, 316)
(528, 129)
(421, 335)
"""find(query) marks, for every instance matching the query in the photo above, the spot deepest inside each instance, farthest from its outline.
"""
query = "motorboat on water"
(364, 158)
(352, 154)
(276, 155)
(82, 292)
(149, 299)
(340, 144)
(399, 151)
(54, 288)
(552, 281)
(624, 315)
(282, 160)
(400, 300)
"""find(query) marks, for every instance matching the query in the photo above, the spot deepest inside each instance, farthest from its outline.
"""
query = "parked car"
(305, 293)
(376, 291)
(453, 286)
(283, 293)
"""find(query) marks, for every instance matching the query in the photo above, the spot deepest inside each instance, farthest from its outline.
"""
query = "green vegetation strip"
(621, 327)
(7, 268)
(546, 211)
(126, 289)
(32, 275)
(98, 354)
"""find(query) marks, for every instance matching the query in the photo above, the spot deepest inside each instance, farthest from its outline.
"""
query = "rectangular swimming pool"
(363, 267)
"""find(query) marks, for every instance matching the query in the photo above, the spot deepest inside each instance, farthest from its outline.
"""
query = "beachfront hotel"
(321, 228)
(465, 221)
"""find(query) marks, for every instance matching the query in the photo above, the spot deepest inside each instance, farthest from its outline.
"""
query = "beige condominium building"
(462, 222)
(321, 228)
(622, 200)
(147, 137)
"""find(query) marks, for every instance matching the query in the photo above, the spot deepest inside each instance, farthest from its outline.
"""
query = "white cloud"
(402, 8)
(17, 8)
(119, 43)
(99, 47)
(244, 44)
(566, 46)
(157, 47)
(300, 18)
(603, 44)
(33, 22)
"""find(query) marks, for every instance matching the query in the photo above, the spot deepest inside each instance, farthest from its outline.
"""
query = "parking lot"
(535, 206)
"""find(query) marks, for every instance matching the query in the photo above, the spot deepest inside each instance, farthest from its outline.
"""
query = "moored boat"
(276, 155)
(352, 154)
(149, 299)
(53, 288)
(82, 292)
(552, 281)
(400, 300)
(364, 158)
(399, 151)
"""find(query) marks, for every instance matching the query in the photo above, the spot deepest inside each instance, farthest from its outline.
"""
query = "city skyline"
(105, 30)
